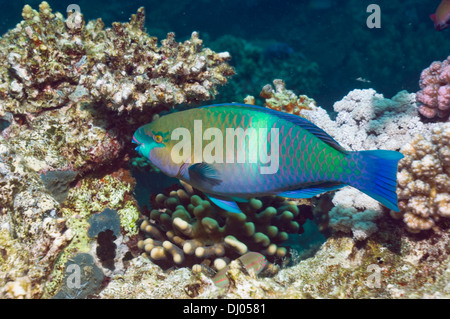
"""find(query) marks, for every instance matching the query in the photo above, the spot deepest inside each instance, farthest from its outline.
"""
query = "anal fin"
(312, 191)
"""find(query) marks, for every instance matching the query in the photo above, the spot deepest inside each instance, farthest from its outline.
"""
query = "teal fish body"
(233, 152)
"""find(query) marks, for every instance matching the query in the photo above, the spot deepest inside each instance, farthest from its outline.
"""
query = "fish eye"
(158, 138)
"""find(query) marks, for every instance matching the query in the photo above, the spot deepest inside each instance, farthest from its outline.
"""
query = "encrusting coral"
(424, 180)
(434, 95)
(186, 229)
(281, 99)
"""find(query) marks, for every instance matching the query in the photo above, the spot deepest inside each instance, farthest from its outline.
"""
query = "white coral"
(366, 121)
(348, 219)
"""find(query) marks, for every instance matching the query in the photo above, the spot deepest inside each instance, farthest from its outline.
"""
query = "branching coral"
(64, 84)
(186, 229)
(424, 180)
(434, 95)
(367, 120)
(49, 59)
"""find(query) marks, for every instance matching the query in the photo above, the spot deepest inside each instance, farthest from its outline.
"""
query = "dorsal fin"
(294, 119)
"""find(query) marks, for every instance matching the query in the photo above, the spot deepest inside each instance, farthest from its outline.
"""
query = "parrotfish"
(441, 18)
(233, 152)
(250, 260)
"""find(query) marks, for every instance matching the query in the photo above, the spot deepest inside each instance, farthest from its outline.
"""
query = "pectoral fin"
(204, 174)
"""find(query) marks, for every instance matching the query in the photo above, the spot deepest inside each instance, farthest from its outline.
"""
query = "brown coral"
(185, 229)
(48, 60)
(424, 180)
(76, 92)
(281, 99)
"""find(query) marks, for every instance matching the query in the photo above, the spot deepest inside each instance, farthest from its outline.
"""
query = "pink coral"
(434, 95)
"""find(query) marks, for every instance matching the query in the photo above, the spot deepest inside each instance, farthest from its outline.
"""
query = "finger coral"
(185, 230)
(424, 180)
(434, 95)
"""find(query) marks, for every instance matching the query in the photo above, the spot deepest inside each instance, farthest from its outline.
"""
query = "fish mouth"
(134, 140)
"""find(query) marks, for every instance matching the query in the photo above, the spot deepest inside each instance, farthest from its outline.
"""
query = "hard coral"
(75, 92)
(187, 229)
(281, 99)
(424, 180)
(49, 60)
(434, 95)
(354, 213)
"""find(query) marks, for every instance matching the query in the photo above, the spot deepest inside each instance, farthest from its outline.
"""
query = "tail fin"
(375, 174)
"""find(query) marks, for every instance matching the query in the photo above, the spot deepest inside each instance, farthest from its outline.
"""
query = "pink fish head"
(439, 25)
(441, 18)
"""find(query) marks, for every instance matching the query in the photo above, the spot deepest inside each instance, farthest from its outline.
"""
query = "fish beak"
(137, 148)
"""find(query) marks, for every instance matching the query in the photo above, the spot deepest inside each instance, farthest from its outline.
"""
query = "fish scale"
(310, 162)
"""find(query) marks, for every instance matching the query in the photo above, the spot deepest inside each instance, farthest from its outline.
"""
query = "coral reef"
(106, 220)
(434, 95)
(72, 94)
(389, 264)
(58, 183)
(281, 99)
(32, 231)
(366, 120)
(82, 278)
(187, 230)
(354, 213)
(424, 181)
(121, 67)
(252, 262)
(69, 81)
